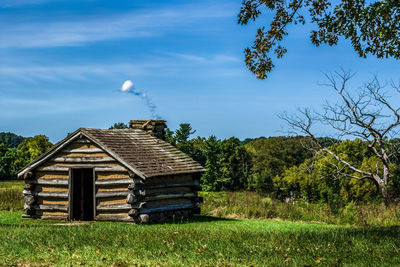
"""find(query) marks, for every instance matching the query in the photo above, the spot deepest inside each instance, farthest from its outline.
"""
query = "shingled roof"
(145, 155)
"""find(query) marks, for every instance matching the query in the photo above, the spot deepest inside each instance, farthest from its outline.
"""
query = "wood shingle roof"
(140, 152)
(147, 154)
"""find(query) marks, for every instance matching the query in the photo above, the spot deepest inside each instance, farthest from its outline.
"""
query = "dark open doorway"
(82, 195)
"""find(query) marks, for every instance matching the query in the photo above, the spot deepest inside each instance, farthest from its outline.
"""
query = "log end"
(130, 199)
(144, 218)
(133, 213)
(28, 175)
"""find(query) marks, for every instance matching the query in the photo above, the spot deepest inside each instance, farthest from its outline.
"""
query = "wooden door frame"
(94, 194)
(71, 190)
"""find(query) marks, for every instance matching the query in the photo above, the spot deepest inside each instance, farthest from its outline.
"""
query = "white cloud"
(171, 64)
(79, 30)
(60, 72)
(15, 3)
(12, 106)
(213, 59)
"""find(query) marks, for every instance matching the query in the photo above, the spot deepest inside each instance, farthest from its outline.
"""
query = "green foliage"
(271, 156)
(119, 125)
(373, 27)
(30, 149)
(319, 180)
(11, 140)
(350, 214)
(169, 136)
(227, 162)
(180, 137)
(267, 201)
(183, 133)
(195, 148)
(13, 159)
(212, 177)
(282, 166)
(228, 165)
(7, 158)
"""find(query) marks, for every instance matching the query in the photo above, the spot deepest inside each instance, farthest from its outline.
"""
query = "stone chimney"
(153, 127)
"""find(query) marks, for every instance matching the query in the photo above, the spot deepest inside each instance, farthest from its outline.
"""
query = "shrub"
(267, 201)
(350, 213)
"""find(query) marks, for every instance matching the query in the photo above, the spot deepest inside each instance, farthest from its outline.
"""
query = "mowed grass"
(206, 240)
(202, 241)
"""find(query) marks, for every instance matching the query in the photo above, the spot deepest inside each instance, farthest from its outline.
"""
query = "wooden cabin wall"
(111, 193)
(47, 187)
(164, 198)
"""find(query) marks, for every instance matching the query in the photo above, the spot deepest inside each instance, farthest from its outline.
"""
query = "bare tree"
(366, 114)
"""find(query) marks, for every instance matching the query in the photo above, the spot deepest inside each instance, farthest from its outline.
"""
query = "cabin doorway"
(82, 197)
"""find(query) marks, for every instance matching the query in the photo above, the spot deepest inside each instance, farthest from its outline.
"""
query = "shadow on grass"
(341, 236)
(205, 218)
(194, 219)
(31, 223)
(202, 219)
(378, 231)
(358, 232)
(58, 223)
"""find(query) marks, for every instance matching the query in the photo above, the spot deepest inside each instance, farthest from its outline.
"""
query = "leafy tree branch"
(373, 27)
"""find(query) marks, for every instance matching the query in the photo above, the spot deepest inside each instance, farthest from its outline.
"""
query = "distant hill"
(10, 139)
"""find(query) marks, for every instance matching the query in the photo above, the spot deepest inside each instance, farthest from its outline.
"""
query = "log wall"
(47, 187)
(164, 198)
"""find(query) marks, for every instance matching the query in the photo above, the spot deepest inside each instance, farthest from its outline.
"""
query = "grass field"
(207, 240)
(11, 195)
(255, 206)
(202, 241)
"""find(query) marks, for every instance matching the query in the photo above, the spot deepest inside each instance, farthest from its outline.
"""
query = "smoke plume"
(128, 87)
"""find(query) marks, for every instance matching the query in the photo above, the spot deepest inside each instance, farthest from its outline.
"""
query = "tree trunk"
(378, 187)
(385, 180)
(385, 195)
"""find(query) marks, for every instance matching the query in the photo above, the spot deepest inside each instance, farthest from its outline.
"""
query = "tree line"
(281, 166)
(17, 151)
(285, 166)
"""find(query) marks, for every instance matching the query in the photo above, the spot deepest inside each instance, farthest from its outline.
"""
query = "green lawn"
(202, 241)
(206, 240)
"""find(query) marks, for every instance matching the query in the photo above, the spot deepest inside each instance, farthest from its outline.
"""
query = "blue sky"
(62, 63)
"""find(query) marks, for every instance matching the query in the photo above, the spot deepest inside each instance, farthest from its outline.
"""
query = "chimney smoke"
(129, 87)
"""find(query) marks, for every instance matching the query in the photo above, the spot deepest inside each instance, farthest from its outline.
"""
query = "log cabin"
(113, 175)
